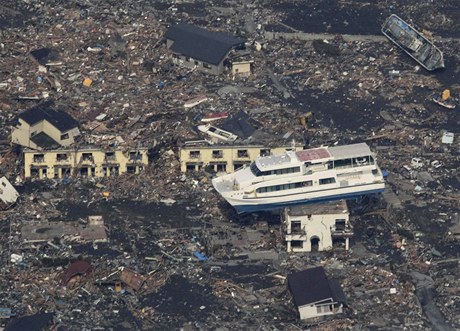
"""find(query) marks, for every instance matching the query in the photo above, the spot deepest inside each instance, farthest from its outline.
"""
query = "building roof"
(44, 141)
(240, 124)
(323, 208)
(58, 118)
(200, 44)
(311, 285)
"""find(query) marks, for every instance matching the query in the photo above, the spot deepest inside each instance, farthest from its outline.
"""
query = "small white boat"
(217, 133)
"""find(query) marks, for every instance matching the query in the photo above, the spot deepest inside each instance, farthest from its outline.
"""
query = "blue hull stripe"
(261, 207)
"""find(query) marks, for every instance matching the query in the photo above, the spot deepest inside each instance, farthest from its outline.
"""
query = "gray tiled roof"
(60, 119)
(197, 43)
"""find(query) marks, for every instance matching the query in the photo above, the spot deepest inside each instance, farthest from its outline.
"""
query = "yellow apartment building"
(225, 158)
(85, 162)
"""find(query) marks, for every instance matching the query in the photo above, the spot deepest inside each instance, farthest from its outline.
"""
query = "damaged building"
(84, 161)
(194, 47)
(314, 294)
(317, 227)
(225, 158)
(43, 127)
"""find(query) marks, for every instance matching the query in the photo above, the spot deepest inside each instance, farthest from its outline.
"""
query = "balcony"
(342, 231)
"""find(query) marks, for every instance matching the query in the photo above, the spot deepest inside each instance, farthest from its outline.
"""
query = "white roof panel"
(355, 150)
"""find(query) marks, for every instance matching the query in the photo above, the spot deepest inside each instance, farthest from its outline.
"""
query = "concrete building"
(225, 158)
(314, 294)
(88, 162)
(317, 227)
(42, 127)
(8, 194)
(194, 47)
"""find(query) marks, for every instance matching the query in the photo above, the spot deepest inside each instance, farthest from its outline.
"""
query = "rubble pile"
(160, 249)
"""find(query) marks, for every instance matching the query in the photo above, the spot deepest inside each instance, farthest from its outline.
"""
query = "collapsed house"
(314, 294)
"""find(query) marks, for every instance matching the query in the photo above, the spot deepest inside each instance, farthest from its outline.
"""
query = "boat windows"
(345, 163)
(284, 187)
(324, 181)
(360, 161)
(257, 172)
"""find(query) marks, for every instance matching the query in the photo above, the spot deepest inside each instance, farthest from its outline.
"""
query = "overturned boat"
(313, 175)
(413, 43)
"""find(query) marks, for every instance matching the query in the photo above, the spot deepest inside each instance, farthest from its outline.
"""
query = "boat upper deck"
(350, 151)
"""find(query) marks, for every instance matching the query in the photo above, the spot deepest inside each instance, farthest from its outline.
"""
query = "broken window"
(243, 153)
(190, 167)
(84, 172)
(61, 157)
(297, 244)
(135, 156)
(221, 167)
(296, 227)
(265, 152)
(87, 157)
(39, 158)
(64, 136)
(194, 154)
(206, 65)
(131, 169)
(218, 154)
(338, 242)
(110, 156)
(340, 225)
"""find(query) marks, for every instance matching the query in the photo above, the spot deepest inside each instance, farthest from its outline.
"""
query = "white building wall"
(311, 311)
(312, 226)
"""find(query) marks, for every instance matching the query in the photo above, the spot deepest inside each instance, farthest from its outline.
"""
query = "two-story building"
(317, 227)
(194, 47)
(226, 158)
(314, 294)
(42, 127)
(86, 162)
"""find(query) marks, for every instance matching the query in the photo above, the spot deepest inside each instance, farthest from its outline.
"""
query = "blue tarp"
(200, 256)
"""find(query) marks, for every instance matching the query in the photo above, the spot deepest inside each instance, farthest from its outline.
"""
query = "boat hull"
(263, 204)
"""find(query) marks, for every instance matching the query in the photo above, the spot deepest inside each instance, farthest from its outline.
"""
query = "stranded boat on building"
(413, 43)
(318, 174)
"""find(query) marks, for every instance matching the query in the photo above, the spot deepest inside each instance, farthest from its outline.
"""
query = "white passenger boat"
(313, 175)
